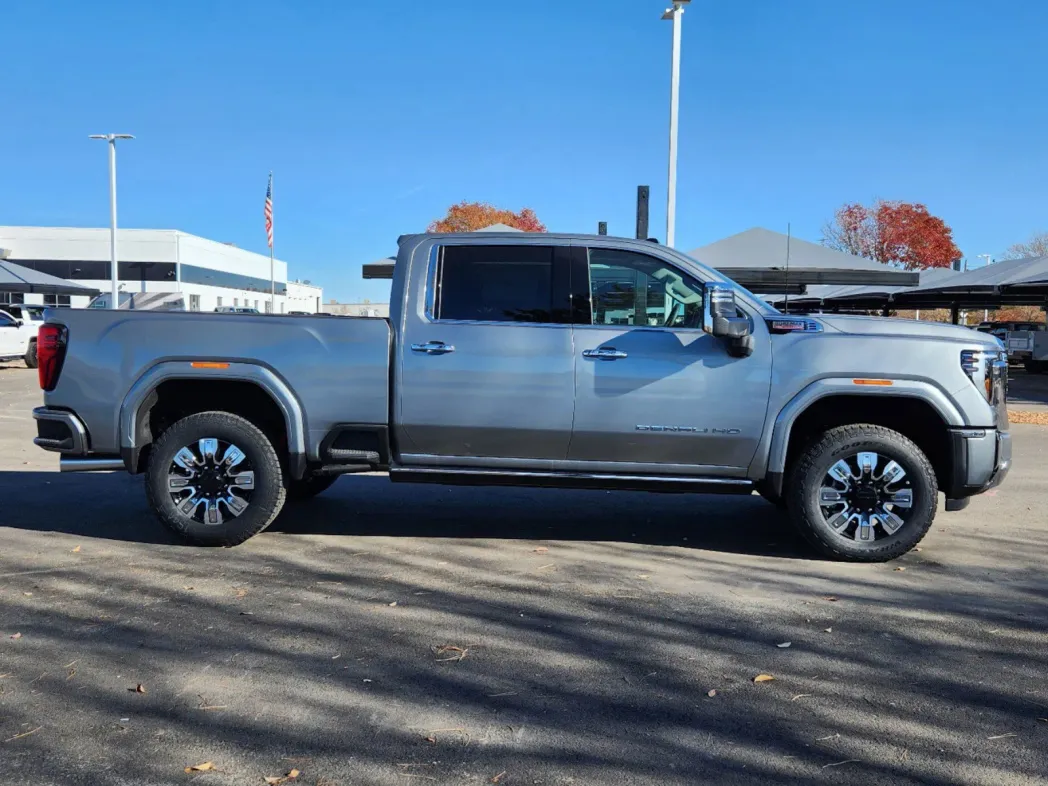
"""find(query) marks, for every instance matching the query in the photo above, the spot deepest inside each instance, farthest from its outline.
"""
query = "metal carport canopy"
(756, 259)
(15, 278)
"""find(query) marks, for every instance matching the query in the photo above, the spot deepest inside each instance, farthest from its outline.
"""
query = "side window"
(7, 320)
(502, 284)
(627, 288)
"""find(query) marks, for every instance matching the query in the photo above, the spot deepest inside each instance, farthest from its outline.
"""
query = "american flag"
(269, 210)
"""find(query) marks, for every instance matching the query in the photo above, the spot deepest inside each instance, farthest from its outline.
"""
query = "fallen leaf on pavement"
(189, 588)
(828, 630)
(205, 767)
(784, 645)
(451, 651)
(16, 635)
(897, 570)
(541, 550)
(76, 550)
(711, 693)
(274, 780)
(393, 604)
(28, 594)
(498, 778)
(763, 678)
(139, 688)
(831, 598)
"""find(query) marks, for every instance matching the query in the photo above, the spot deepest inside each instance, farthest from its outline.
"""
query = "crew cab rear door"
(654, 392)
(486, 368)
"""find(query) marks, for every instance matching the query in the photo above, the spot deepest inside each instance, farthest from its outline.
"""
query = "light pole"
(989, 261)
(673, 15)
(111, 139)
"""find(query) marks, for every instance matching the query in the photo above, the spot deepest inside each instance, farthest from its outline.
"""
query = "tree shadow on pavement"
(589, 662)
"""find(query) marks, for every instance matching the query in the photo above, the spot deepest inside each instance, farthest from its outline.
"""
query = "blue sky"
(376, 115)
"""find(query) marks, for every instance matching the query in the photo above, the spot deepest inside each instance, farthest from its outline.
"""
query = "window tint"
(627, 288)
(502, 284)
(6, 320)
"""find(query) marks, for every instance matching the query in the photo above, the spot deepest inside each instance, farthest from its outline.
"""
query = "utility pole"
(673, 15)
(114, 277)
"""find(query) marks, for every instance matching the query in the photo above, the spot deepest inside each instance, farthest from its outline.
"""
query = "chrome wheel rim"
(211, 481)
(866, 497)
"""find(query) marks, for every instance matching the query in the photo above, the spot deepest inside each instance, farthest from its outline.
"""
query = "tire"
(810, 472)
(30, 355)
(307, 488)
(267, 492)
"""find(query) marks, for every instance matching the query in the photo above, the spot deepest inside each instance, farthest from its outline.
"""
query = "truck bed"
(338, 367)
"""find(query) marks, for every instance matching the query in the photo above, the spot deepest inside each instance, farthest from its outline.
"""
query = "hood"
(908, 328)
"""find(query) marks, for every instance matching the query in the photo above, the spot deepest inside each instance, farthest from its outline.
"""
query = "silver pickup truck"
(544, 360)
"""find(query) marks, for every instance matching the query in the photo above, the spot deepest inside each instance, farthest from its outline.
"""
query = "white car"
(18, 327)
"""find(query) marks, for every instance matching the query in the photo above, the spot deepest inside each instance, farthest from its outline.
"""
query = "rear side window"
(502, 284)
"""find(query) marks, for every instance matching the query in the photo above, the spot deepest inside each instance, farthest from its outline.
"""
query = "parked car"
(18, 326)
(506, 361)
(236, 310)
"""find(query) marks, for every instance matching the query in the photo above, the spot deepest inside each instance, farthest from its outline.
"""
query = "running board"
(572, 480)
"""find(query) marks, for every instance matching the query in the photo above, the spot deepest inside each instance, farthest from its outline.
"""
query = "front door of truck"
(652, 388)
(486, 363)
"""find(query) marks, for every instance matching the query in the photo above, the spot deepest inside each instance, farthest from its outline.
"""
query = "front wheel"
(862, 493)
(214, 479)
(30, 355)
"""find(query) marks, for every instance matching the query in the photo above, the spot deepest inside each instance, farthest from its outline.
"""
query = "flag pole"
(272, 275)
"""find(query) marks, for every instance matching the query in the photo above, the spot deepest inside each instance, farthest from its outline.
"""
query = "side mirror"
(720, 318)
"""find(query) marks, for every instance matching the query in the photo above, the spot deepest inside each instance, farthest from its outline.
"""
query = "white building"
(209, 274)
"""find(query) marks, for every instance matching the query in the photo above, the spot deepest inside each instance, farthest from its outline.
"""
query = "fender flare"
(779, 438)
(264, 378)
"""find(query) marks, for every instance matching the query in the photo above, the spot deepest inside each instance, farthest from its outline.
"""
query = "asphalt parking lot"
(387, 634)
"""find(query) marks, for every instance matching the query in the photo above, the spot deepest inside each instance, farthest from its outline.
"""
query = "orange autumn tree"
(904, 234)
(471, 216)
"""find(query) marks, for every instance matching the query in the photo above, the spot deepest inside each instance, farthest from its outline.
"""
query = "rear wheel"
(307, 488)
(214, 479)
(30, 355)
(862, 493)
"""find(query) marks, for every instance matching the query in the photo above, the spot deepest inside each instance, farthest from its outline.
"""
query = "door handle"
(433, 348)
(604, 353)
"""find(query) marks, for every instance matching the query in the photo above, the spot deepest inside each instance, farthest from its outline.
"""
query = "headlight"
(988, 371)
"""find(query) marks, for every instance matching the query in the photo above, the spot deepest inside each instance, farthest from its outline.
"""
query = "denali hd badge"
(689, 429)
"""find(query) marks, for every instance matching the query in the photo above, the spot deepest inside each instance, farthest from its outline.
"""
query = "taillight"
(50, 352)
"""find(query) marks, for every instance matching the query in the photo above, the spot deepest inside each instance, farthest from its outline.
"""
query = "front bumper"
(981, 460)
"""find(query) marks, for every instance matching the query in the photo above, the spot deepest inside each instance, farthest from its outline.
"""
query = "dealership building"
(207, 273)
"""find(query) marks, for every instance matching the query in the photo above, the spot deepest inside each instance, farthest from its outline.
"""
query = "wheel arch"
(222, 380)
(916, 409)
